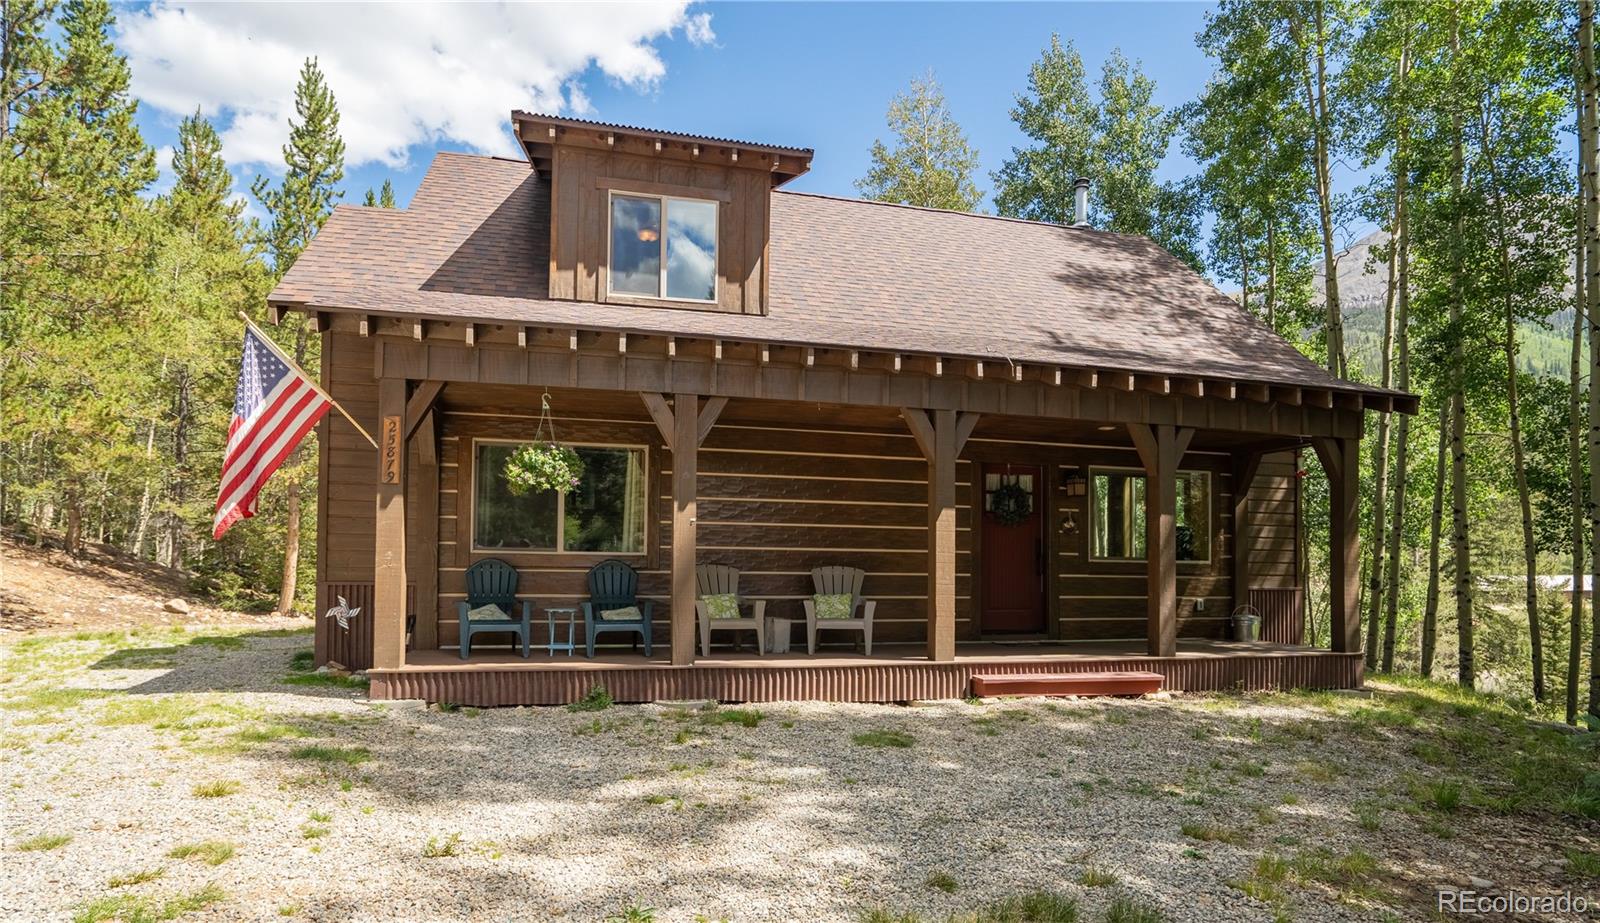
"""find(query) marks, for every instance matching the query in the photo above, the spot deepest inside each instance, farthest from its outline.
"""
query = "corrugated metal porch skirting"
(869, 682)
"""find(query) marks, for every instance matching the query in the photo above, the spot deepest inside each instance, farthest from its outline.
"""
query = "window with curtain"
(663, 247)
(604, 513)
(1117, 515)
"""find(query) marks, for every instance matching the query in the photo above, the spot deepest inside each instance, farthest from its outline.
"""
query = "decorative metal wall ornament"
(1010, 503)
(342, 613)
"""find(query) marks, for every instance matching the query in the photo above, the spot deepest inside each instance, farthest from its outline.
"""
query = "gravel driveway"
(335, 808)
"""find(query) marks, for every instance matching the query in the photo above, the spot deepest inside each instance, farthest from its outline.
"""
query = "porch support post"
(426, 528)
(1161, 447)
(389, 566)
(1246, 463)
(685, 481)
(1340, 459)
(941, 434)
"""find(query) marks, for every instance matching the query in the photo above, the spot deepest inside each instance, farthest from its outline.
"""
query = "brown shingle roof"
(846, 274)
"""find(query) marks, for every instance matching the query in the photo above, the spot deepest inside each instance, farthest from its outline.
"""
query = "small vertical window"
(1117, 523)
(636, 245)
(662, 247)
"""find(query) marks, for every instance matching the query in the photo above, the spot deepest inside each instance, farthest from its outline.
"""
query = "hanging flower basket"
(543, 466)
(1010, 504)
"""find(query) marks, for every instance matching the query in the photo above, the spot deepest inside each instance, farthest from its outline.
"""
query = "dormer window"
(663, 247)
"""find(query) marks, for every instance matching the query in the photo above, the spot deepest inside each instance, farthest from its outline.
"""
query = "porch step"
(1131, 682)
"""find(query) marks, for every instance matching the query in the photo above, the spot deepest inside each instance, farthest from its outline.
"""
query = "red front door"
(1012, 542)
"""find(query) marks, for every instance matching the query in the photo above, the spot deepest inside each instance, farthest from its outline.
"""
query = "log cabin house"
(779, 381)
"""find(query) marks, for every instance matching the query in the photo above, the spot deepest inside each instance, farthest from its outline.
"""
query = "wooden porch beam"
(1161, 447)
(707, 418)
(942, 537)
(656, 404)
(1341, 459)
(425, 519)
(685, 484)
(420, 403)
(389, 564)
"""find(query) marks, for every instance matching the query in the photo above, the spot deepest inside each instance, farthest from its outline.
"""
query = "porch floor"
(895, 672)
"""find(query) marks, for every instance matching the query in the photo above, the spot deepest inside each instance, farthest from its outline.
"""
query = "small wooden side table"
(778, 631)
(572, 621)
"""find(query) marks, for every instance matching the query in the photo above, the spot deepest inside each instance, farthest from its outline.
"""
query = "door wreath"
(1010, 504)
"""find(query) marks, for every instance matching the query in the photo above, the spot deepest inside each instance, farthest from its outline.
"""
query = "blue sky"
(412, 79)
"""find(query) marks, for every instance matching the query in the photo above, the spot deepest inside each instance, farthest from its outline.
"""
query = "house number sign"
(391, 450)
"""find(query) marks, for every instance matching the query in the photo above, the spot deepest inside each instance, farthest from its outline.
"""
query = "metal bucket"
(1246, 624)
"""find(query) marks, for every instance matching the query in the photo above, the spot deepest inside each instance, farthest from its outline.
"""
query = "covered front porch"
(894, 672)
(1158, 507)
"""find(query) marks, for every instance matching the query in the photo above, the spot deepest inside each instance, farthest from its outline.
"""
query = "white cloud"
(403, 74)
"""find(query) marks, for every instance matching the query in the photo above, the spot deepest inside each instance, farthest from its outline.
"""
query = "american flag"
(273, 407)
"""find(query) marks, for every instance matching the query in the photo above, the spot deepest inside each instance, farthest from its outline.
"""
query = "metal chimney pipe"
(1080, 211)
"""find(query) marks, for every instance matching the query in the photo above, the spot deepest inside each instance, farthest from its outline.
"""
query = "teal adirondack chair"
(493, 581)
(614, 585)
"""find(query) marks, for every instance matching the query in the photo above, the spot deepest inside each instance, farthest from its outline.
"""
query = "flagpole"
(267, 340)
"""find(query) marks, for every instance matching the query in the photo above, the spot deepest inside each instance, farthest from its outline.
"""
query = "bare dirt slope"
(42, 589)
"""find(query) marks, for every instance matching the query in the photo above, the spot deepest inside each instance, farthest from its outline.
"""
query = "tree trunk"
(1575, 418)
(1519, 461)
(1317, 111)
(1430, 611)
(291, 534)
(1461, 549)
(1591, 290)
(1400, 255)
(179, 491)
(1272, 275)
(1380, 457)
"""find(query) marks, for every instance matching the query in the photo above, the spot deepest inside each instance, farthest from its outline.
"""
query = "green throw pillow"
(722, 605)
(486, 612)
(625, 614)
(833, 605)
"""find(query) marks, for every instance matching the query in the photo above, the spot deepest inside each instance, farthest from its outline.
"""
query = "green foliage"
(384, 198)
(541, 466)
(597, 699)
(43, 842)
(442, 847)
(895, 739)
(131, 908)
(1116, 141)
(931, 162)
(211, 852)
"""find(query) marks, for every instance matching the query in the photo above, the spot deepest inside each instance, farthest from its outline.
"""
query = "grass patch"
(350, 756)
(942, 881)
(1097, 878)
(266, 733)
(439, 848)
(53, 699)
(597, 699)
(898, 739)
(1583, 864)
(303, 661)
(633, 913)
(1213, 833)
(744, 717)
(211, 852)
(1126, 908)
(176, 712)
(1352, 873)
(1266, 880)
(131, 908)
(1442, 795)
(135, 878)
(44, 842)
(221, 788)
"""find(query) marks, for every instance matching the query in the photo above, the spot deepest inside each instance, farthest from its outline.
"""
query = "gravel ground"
(337, 808)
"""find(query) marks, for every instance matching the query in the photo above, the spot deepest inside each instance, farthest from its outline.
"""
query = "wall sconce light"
(1075, 485)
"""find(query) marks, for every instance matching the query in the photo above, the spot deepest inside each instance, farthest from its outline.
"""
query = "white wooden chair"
(837, 581)
(718, 580)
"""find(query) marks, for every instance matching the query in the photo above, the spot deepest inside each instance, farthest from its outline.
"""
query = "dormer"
(655, 218)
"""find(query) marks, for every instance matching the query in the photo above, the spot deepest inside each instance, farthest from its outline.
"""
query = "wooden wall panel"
(777, 500)
(580, 221)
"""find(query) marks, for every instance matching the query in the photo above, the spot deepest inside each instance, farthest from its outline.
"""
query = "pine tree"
(931, 162)
(384, 198)
(298, 207)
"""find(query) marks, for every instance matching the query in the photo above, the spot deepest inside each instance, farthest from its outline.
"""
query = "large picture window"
(604, 513)
(663, 247)
(1117, 515)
